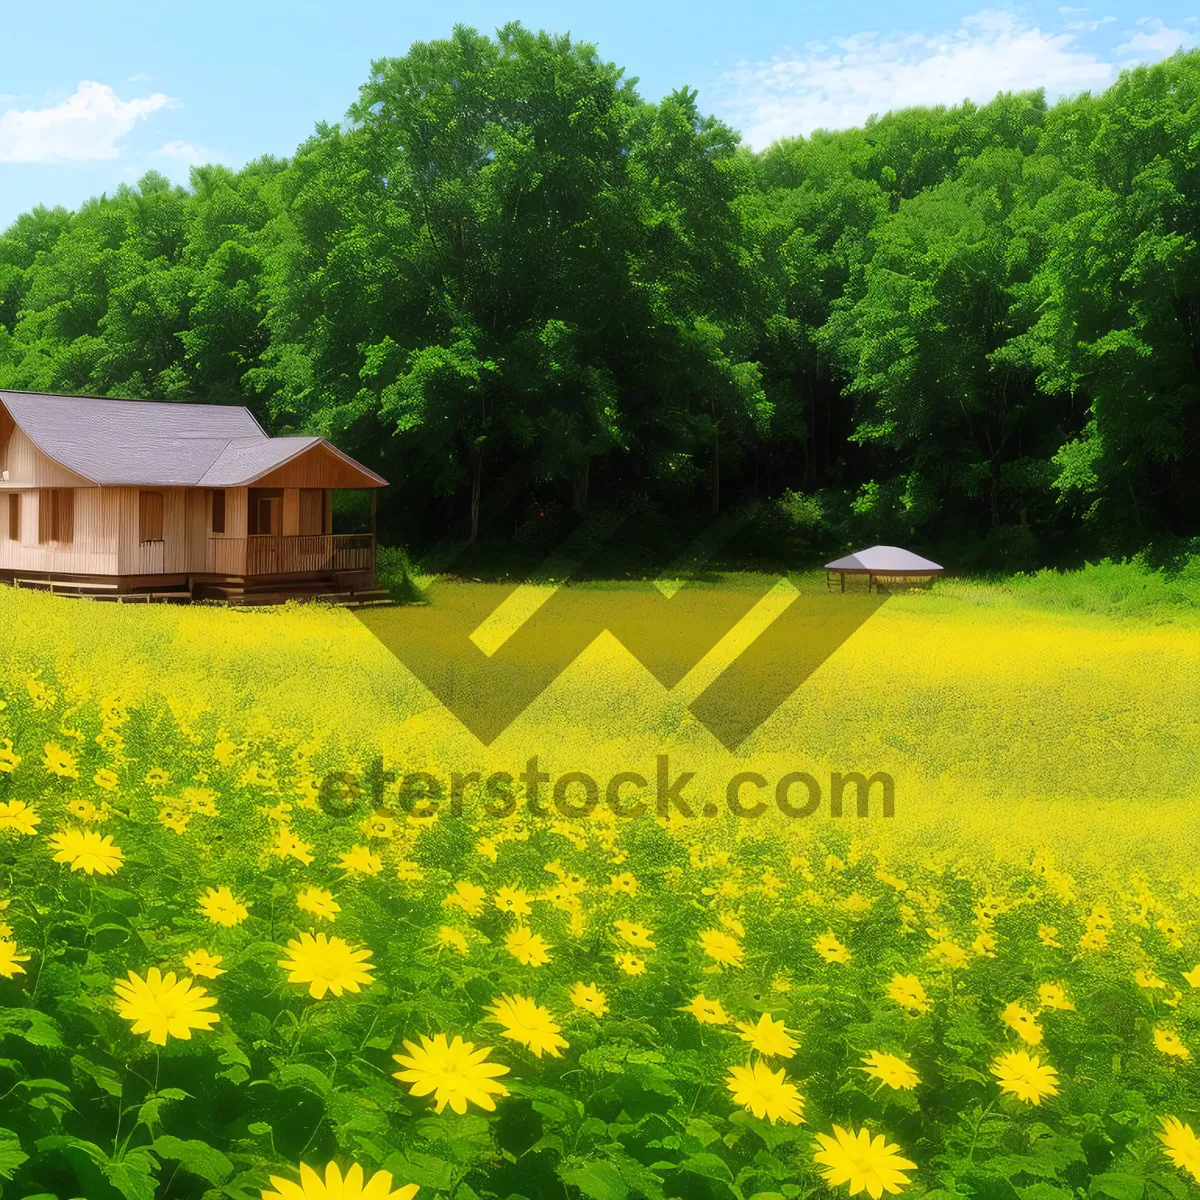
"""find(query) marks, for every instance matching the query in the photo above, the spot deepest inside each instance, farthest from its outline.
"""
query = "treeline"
(523, 293)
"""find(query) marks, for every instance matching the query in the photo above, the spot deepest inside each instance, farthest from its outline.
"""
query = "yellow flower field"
(257, 940)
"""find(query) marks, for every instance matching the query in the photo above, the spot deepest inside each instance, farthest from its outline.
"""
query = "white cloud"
(187, 152)
(83, 128)
(1088, 26)
(844, 81)
(140, 77)
(1155, 40)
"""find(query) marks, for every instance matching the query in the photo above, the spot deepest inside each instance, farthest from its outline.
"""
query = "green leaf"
(197, 1157)
(11, 1154)
(1118, 1186)
(598, 1180)
(104, 1077)
(303, 1075)
(710, 1166)
(31, 1026)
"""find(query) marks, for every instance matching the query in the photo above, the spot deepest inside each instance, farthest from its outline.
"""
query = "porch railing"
(276, 554)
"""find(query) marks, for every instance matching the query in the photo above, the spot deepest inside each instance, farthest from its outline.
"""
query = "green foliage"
(510, 283)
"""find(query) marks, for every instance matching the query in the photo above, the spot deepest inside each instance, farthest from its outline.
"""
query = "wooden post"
(374, 504)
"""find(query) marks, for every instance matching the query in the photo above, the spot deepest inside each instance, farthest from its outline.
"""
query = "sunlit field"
(239, 937)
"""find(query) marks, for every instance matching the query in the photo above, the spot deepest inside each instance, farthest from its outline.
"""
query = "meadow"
(221, 977)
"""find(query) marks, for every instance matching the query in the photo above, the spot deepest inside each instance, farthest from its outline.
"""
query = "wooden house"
(130, 498)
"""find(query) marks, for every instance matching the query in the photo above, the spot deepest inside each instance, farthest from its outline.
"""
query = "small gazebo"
(882, 562)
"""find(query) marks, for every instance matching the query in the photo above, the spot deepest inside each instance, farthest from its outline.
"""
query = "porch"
(270, 554)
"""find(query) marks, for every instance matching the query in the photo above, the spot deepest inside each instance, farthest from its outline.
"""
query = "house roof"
(884, 560)
(143, 443)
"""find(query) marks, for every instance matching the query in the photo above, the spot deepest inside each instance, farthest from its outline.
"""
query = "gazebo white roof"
(884, 560)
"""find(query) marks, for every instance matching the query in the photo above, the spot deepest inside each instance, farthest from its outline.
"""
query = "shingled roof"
(141, 443)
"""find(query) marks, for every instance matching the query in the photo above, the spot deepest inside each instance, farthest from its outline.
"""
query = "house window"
(14, 518)
(56, 516)
(150, 516)
(312, 511)
(266, 511)
(218, 510)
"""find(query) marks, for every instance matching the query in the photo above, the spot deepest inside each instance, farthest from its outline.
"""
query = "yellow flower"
(1193, 976)
(907, 991)
(630, 963)
(161, 1007)
(175, 819)
(1052, 995)
(1048, 936)
(527, 1022)
(327, 964)
(379, 826)
(527, 947)
(87, 851)
(319, 902)
(722, 948)
(276, 812)
(1022, 1022)
(60, 762)
(200, 962)
(1148, 980)
(199, 800)
(221, 907)
(9, 759)
(486, 848)
(359, 860)
(635, 935)
(1025, 1077)
(862, 1163)
(590, 998)
(467, 896)
(890, 1069)
(830, 949)
(289, 845)
(156, 777)
(514, 901)
(86, 811)
(455, 1072)
(769, 1037)
(949, 953)
(625, 884)
(766, 1093)
(1181, 1144)
(409, 872)
(449, 938)
(1167, 1040)
(707, 1012)
(18, 817)
(335, 1187)
(10, 960)
(985, 945)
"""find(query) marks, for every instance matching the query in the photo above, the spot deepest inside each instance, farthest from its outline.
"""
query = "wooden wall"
(107, 532)
(93, 547)
(29, 467)
(317, 468)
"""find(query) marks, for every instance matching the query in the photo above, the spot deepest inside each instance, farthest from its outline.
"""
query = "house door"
(265, 525)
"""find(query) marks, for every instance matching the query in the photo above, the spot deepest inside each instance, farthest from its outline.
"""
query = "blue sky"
(92, 95)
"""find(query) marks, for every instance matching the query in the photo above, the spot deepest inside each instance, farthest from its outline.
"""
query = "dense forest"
(525, 294)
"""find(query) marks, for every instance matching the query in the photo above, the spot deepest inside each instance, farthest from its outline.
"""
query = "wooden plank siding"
(315, 468)
(28, 467)
(94, 536)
